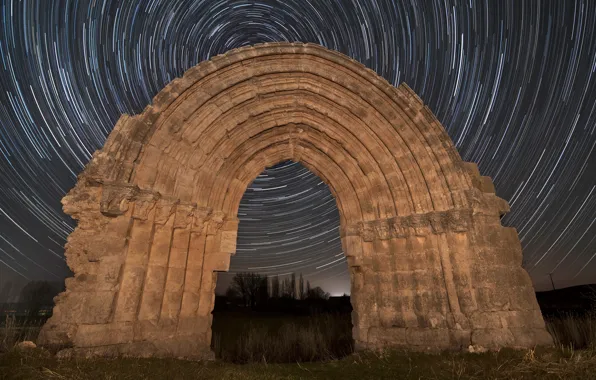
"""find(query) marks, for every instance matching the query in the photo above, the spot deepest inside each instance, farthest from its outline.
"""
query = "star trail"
(512, 82)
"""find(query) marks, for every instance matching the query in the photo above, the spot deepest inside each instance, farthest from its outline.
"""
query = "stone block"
(193, 325)
(521, 318)
(386, 297)
(171, 305)
(57, 334)
(155, 281)
(486, 320)
(492, 338)
(425, 337)
(193, 280)
(98, 307)
(153, 330)
(178, 257)
(486, 185)
(425, 302)
(108, 272)
(129, 294)
(190, 304)
(416, 244)
(382, 263)
(491, 299)
(206, 299)
(432, 320)
(228, 241)
(118, 227)
(151, 305)
(160, 247)
(217, 261)
(181, 238)
(522, 298)
(103, 334)
(466, 299)
(404, 280)
(70, 306)
(142, 349)
(525, 337)
(379, 337)
(389, 316)
(175, 279)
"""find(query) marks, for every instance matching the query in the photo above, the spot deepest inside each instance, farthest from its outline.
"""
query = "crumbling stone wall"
(431, 266)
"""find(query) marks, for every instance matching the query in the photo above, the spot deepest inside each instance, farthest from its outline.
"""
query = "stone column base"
(441, 339)
(187, 348)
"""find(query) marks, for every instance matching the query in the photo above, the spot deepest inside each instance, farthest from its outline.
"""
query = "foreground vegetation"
(318, 347)
(273, 338)
(506, 364)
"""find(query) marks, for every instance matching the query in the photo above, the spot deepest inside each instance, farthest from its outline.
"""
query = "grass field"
(506, 364)
(312, 348)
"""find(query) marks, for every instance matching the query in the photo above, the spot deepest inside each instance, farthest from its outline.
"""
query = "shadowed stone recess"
(431, 266)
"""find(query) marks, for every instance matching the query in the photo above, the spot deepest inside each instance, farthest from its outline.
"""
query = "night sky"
(512, 82)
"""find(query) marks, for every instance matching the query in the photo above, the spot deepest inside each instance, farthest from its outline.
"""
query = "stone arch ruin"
(431, 266)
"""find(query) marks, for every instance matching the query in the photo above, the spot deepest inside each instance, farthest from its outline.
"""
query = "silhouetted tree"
(293, 286)
(301, 287)
(5, 292)
(307, 288)
(275, 291)
(251, 287)
(232, 295)
(286, 291)
(37, 294)
(317, 293)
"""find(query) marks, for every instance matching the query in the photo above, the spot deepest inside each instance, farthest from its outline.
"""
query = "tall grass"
(14, 330)
(573, 330)
(250, 339)
(327, 337)
(306, 339)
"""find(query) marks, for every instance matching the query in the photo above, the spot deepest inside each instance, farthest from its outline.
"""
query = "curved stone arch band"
(431, 266)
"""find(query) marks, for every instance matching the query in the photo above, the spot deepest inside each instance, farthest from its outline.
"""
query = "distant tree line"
(254, 289)
(36, 299)
(39, 294)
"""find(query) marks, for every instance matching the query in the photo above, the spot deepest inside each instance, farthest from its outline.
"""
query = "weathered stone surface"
(431, 266)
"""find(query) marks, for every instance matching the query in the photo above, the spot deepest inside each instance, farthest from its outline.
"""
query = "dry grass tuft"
(13, 331)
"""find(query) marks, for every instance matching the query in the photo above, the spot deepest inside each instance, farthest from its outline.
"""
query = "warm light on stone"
(431, 266)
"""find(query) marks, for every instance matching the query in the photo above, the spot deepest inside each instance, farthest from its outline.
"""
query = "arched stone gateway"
(431, 266)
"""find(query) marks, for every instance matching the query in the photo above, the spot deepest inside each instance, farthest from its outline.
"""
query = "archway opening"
(286, 296)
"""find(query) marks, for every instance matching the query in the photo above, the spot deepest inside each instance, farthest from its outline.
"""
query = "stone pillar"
(359, 297)
(190, 321)
(414, 293)
(137, 259)
(169, 324)
(506, 312)
(442, 280)
(174, 285)
(157, 270)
